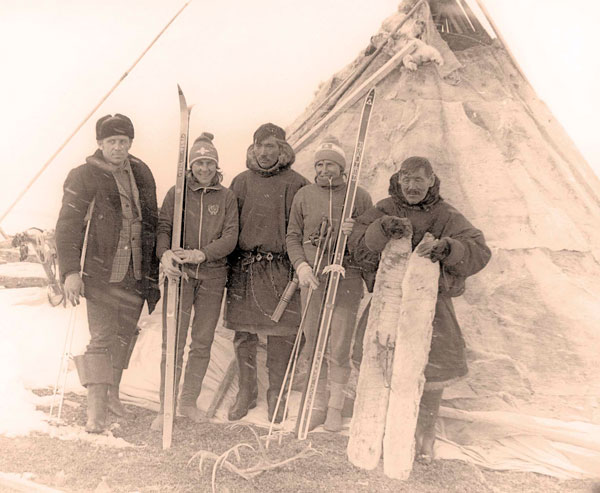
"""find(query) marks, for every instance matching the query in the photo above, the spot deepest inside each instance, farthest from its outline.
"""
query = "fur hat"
(331, 150)
(266, 130)
(203, 148)
(109, 125)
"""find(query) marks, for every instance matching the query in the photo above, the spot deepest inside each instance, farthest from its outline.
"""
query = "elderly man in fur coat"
(415, 205)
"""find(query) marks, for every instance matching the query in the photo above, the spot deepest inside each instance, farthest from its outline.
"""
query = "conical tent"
(530, 318)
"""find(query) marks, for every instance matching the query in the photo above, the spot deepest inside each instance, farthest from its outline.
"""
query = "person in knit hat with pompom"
(211, 233)
(260, 268)
(314, 204)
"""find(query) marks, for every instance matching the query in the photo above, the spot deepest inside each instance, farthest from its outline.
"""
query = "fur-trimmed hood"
(432, 197)
(287, 156)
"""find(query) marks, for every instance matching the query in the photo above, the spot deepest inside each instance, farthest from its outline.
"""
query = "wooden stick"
(88, 116)
(390, 65)
(341, 89)
(232, 369)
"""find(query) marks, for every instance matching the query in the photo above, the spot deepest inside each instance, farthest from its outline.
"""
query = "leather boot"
(96, 407)
(334, 407)
(245, 352)
(425, 434)
(115, 405)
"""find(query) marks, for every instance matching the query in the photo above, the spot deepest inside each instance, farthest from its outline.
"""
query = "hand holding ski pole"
(306, 276)
(168, 261)
(73, 288)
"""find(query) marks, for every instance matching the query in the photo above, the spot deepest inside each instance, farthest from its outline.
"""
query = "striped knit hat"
(203, 148)
(331, 150)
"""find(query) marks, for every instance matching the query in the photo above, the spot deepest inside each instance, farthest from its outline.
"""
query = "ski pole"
(324, 239)
(64, 361)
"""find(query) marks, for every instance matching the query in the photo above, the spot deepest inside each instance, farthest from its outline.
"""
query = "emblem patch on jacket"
(213, 209)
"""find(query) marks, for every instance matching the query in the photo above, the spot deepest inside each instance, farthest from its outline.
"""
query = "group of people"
(247, 242)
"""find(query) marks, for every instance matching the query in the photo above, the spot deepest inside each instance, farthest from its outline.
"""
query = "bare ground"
(81, 466)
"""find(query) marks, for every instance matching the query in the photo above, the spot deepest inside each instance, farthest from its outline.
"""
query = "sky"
(239, 63)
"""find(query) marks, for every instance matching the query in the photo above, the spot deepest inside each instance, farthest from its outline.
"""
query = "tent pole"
(499, 35)
(88, 116)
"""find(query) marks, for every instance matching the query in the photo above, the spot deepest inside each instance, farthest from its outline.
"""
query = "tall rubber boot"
(425, 434)
(319, 411)
(95, 373)
(96, 407)
(115, 405)
(195, 370)
(335, 405)
(279, 350)
(245, 353)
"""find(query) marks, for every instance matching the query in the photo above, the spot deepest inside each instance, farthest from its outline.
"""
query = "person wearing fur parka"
(415, 205)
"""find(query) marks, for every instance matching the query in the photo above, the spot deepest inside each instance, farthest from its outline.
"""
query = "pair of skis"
(336, 271)
(174, 285)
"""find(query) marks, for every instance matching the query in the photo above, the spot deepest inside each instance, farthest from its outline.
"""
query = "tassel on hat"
(330, 149)
(203, 148)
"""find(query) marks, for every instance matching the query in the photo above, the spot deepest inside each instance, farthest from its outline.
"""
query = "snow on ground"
(22, 270)
(33, 338)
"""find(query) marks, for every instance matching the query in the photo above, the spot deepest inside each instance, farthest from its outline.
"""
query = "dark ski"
(335, 271)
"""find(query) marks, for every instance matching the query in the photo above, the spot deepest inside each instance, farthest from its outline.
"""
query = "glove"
(395, 227)
(436, 250)
(306, 277)
(347, 226)
(73, 288)
(192, 256)
(168, 261)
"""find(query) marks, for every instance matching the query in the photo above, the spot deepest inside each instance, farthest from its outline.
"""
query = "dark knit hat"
(109, 125)
(203, 148)
(266, 130)
(414, 163)
(330, 149)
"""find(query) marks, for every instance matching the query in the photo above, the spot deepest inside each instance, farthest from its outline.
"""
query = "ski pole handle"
(289, 291)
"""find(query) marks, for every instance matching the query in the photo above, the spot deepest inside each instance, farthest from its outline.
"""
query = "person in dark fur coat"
(260, 267)
(415, 205)
(109, 205)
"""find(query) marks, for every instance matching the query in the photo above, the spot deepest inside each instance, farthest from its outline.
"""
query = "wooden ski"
(413, 336)
(374, 381)
(335, 271)
(173, 285)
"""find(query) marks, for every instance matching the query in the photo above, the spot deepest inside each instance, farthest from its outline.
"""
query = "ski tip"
(370, 96)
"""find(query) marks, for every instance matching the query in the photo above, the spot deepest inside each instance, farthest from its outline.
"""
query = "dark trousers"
(205, 297)
(113, 311)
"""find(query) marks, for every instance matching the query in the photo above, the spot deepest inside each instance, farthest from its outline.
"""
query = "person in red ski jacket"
(114, 194)
(313, 204)
(260, 268)
(415, 204)
(210, 234)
